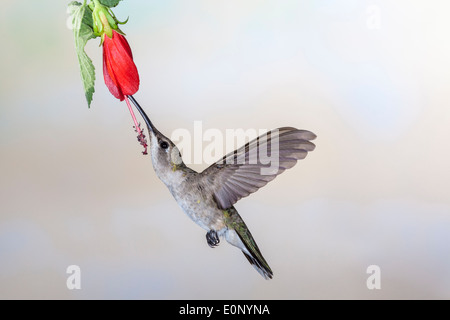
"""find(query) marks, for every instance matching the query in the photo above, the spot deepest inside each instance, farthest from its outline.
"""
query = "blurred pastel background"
(370, 78)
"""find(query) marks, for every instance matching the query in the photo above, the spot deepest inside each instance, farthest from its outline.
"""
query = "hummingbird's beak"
(143, 114)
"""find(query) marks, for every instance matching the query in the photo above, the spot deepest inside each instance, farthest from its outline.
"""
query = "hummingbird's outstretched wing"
(252, 166)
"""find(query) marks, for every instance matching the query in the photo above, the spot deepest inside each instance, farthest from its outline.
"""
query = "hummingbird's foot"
(212, 238)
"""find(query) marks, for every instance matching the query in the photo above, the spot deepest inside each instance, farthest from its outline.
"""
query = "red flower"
(119, 71)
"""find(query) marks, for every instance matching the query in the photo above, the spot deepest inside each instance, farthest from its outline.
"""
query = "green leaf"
(82, 31)
(72, 7)
(110, 3)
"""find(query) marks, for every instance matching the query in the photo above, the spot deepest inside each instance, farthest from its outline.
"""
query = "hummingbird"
(208, 197)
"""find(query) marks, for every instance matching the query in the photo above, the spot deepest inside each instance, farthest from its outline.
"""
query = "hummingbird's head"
(166, 157)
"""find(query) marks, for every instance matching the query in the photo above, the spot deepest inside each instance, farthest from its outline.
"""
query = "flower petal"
(120, 72)
(109, 81)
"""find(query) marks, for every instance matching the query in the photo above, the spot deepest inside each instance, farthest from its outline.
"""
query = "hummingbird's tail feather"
(239, 236)
(260, 265)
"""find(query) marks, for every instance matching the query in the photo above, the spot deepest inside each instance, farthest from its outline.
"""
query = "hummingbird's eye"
(164, 145)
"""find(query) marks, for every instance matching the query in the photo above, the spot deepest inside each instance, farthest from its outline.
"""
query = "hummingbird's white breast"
(195, 201)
